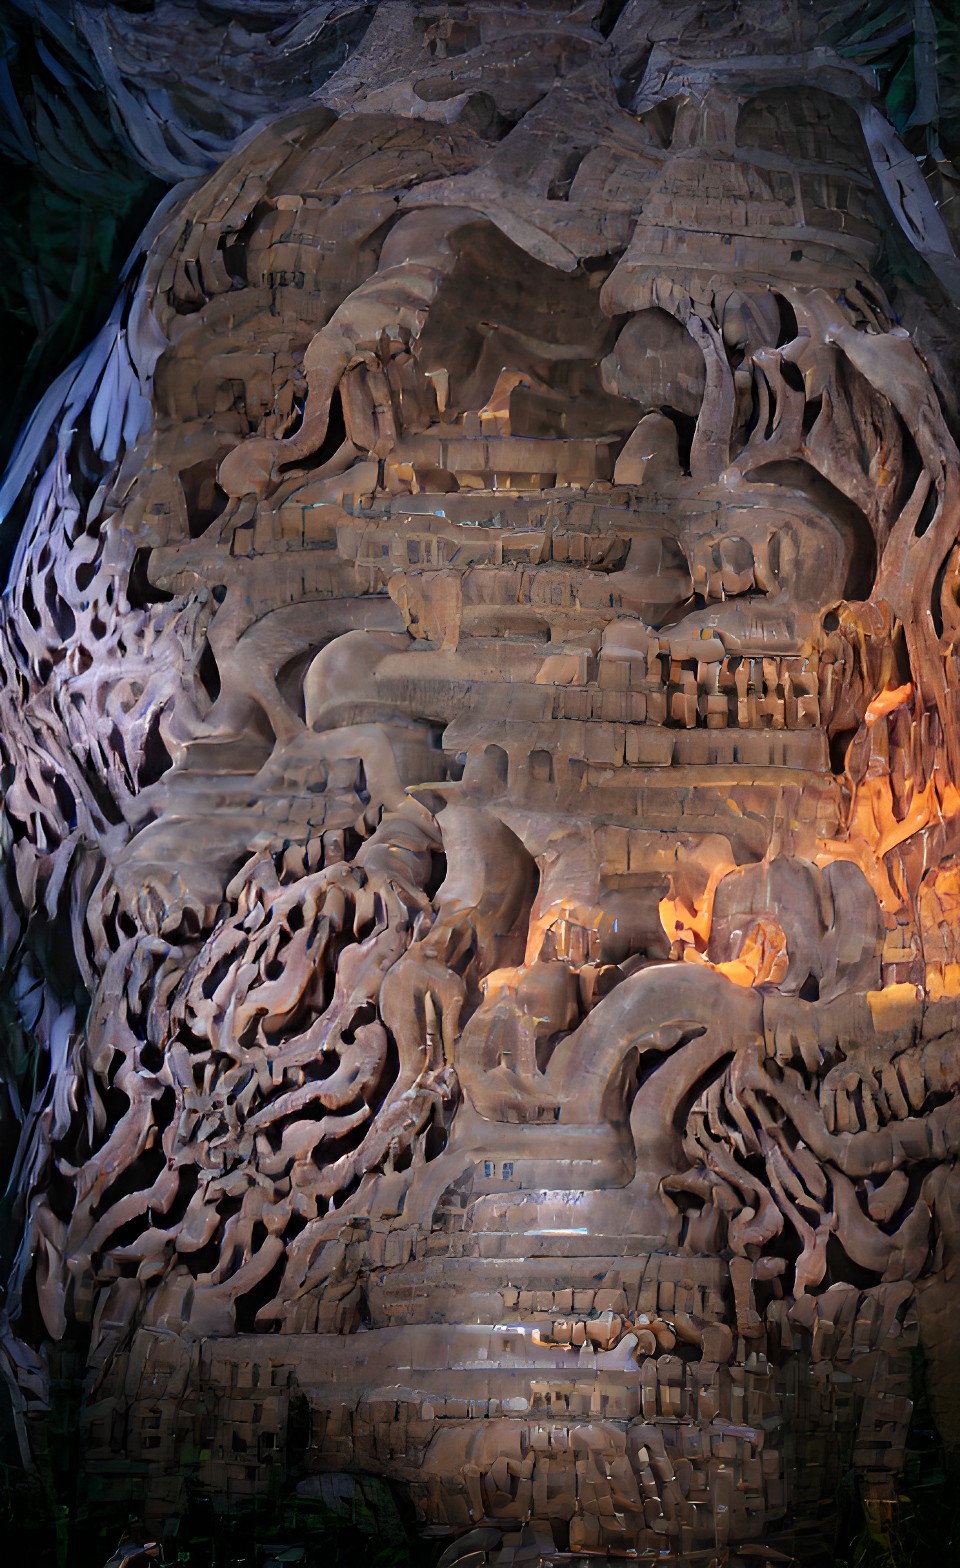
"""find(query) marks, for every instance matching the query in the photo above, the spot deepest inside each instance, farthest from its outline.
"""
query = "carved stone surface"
(480, 724)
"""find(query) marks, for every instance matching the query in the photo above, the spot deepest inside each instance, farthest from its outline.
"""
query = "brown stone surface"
(488, 730)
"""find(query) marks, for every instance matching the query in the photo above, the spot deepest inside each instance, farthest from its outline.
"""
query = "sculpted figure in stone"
(481, 764)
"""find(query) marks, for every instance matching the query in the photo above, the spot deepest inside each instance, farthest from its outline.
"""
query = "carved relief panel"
(480, 709)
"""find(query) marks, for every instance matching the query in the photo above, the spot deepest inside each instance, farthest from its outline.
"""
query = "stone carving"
(480, 727)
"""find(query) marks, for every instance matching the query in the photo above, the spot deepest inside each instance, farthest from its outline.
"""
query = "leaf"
(901, 93)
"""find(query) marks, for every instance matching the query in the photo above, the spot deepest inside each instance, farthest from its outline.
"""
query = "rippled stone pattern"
(480, 763)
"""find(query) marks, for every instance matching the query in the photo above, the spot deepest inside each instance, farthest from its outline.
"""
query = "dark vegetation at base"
(54, 1521)
(923, 1530)
(304, 1533)
(373, 1529)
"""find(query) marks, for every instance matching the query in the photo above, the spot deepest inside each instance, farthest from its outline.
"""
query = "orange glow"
(504, 981)
(687, 923)
(932, 909)
(942, 982)
(496, 410)
(566, 918)
(762, 960)
(874, 829)
(886, 701)
(938, 915)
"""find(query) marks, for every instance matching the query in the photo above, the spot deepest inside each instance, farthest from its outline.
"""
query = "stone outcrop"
(480, 730)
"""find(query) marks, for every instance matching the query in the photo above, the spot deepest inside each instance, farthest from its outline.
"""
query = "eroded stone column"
(480, 726)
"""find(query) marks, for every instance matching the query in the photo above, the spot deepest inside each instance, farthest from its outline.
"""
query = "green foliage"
(914, 48)
(922, 1530)
(75, 199)
(922, 1527)
(369, 1527)
(372, 1528)
(369, 1524)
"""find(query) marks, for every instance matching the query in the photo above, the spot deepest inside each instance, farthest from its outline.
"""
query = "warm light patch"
(877, 825)
(762, 960)
(938, 916)
(574, 926)
(875, 830)
(687, 920)
(894, 1008)
(886, 701)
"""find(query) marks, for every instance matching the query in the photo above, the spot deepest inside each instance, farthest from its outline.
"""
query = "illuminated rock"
(481, 707)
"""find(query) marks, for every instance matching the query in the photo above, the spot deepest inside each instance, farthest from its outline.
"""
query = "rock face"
(480, 762)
